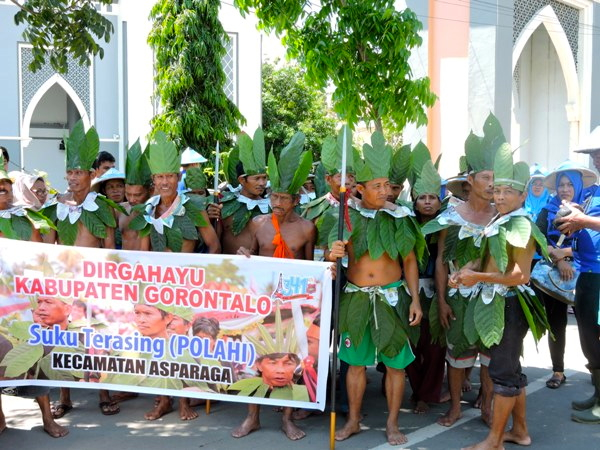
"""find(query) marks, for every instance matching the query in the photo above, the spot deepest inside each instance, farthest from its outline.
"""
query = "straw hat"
(588, 176)
(591, 143)
(191, 156)
(110, 174)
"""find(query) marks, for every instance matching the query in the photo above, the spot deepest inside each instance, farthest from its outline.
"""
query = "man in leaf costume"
(282, 234)
(376, 317)
(245, 169)
(503, 308)
(138, 183)
(460, 232)
(85, 219)
(170, 221)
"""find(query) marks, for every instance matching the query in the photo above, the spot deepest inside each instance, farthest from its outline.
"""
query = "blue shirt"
(586, 242)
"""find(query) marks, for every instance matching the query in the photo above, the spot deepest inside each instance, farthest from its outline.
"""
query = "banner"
(222, 327)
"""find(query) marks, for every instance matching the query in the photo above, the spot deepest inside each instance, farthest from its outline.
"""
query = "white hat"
(588, 177)
(110, 174)
(191, 156)
(591, 143)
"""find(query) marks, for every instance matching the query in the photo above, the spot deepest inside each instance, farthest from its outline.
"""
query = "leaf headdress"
(137, 171)
(508, 174)
(162, 155)
(332, 151)
(81, 147)
(376, 161)
(292, 170)
(480, 151)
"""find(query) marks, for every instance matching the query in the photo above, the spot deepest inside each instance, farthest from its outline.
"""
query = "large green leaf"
(429, 181)
(438, 333)
(240, 220)
(258, 150)
(489, 320)
(355, 311)
(20, 329)
(359, 233)
(469, 328)
(405, 237)
(385, 223)
(289, 160)
(174, 239)
(540, 239)
(230, 207)
(378, 156)
(105, 213)
(376, 246)
(497, 246)
(157, 241)
(138, 222)
(67, 232)
(518, 231)
(230, 161)
(94, 225)
(301, 174)
(418, 157)
(162, 155)
(187, 228)
(40, 221)
(403, 312)
(273, 171)
(387, 331)
(503, 164)
(20, 359)
(23, 227)
(455, 333)
(400, 165)
(246, 154)
(329, 155)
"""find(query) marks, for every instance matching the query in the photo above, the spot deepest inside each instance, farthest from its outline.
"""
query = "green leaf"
(258, 150)
(469, 328)
(301, 174)
(246, 155)
(489, 320)
(438, 333)
(6, 228)
(455, 333)
(387, 333)
(273, 170)
(403, 313)
(289, 161)
(162, 155)
(111, 204)
(174, 239)
(518, 231)
(240, 220)
(22, 227)
(187, 228)
(429, 181)
(20, 330)
(157, 241)
(405, 237)
(20, 359)
(376, 246)
(329, 155)
(67, 232)
(105, 213)
(230, 207)
(355, 311)
(498, 249)
(138, 222)
(94, 225)
(385, 223)
(40, 221)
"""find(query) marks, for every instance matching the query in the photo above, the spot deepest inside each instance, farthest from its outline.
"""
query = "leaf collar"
(165, 220)
(73, 212)
(494, 227)
(467, 229)
(398, 213)
(263, 204)
(14, 211)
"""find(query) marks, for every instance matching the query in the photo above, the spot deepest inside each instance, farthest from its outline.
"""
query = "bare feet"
(486, 417)
(163, 407)
(478, 401)
(54, 429)
(394, 437)
(348, 430)
(249, 425)
(123, 396)
(291, 430)
(485, 445)
(301, 414)
(445, 397)
(450, 418)
(466, 385)
(185, 411)
(421, 407)
(516, 438)
(200, 402)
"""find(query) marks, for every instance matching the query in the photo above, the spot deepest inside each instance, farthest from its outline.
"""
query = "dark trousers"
(505, 364)
(587, 294)
(557, 318)
(426, 372)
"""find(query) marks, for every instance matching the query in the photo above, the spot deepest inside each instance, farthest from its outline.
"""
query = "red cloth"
(281, 248)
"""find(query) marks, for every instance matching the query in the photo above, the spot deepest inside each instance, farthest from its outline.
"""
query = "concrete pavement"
(548, 417)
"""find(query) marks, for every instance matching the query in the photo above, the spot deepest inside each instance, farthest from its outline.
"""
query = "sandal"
(60, 409)
(556, 381)
(109, 408)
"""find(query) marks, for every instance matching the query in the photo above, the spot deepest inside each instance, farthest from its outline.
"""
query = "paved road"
(548, 416)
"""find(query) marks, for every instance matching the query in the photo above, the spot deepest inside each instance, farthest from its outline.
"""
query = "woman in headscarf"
(29, 191)
(569, 180)
(537, 194)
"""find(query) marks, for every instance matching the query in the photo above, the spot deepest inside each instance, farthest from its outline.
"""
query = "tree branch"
(16, 3)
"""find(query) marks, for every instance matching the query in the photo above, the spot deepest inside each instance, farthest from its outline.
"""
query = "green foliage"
(290, 104)
(489, 320)
(58, 29)
(187, 38)
(362, 47)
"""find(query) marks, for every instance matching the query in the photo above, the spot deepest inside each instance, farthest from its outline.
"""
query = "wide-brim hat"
(588, 176)
(110, 174)
(191, 156)
(591, 143)
(537, 171)
(455, 185)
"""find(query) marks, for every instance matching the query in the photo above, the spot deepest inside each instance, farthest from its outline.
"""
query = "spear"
(337, 292)
(216, 181)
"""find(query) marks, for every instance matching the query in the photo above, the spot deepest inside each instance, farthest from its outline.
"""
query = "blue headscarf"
(554, 204)
(533, 204)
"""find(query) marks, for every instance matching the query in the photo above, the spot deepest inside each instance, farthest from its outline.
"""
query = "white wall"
(43, 154)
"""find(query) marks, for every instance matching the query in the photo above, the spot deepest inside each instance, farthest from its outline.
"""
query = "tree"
(188, 38)
(362, 47)
(291, 105)
(59, 28)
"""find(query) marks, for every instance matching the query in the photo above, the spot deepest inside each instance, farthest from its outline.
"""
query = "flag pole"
(336, 293)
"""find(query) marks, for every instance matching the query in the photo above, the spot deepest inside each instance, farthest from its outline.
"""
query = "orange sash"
(281, 248)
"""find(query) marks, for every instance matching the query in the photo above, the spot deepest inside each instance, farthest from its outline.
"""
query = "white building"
(114, 94)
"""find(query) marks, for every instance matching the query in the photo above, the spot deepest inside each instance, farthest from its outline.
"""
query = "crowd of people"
(436, 273)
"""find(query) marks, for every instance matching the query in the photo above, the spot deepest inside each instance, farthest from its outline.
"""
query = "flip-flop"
(60, 409)
(555, 381)
(108, 408)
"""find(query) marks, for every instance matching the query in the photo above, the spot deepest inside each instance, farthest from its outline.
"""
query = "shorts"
(467, 358)
(366, 353)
